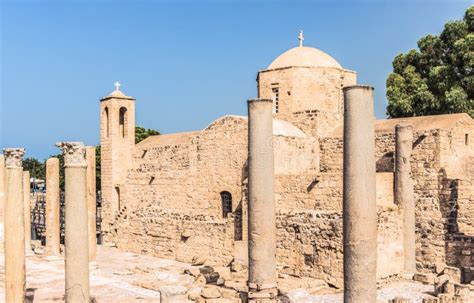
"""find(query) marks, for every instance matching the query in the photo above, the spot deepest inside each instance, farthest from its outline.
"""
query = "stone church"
(184, 196)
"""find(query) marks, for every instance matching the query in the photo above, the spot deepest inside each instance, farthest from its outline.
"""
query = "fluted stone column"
(52, 207)
(359, 204)
(3, 185)
(91, 201)
(404, 193)
(14, 227)
(76, 238)
(261, 226)
(27, 210)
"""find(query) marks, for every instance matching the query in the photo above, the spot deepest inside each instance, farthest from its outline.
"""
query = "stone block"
(425, 278)
(210, 292)
(173, 294)
(454, 273)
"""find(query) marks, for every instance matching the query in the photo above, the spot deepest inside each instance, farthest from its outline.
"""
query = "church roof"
(420, 123)
(303, 56)
(168, 139)
(280, 128)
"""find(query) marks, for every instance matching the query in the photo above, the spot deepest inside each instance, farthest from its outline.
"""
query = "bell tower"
(117, 139)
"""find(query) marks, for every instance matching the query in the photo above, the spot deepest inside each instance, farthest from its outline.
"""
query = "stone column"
(27, 210)
(14, 227)
(52, 207)
(404, 193)
(359, 204)
(2, 202)
(261, 225)
(76, 239)
(91, 201)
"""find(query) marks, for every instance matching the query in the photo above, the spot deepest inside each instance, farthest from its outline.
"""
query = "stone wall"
(431, 214)
(184, 175)
(183, 237)
(309, 244)
(460, 253)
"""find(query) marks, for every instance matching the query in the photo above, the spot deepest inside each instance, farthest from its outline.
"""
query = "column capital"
(74, 153)
(404, 127)
(13, 157)
(404, 132)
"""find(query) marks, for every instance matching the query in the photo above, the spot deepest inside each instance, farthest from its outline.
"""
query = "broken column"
(359, 204)
(261, 214)
(2, 202)
(27, 210)
(91, 201)
(76, 238)
(404, 193)
(14, 227)
(52, 207)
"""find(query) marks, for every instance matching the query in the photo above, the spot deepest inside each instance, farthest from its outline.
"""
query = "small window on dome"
(276, 99)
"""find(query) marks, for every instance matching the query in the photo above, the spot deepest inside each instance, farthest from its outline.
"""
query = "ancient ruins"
(308, 187)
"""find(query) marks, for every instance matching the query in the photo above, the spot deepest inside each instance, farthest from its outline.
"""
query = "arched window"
(226, 199)
(117, 197)
(106, 113)
(123, 121)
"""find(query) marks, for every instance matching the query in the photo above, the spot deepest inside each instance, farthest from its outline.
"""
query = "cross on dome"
(301, 38)
(117, 86)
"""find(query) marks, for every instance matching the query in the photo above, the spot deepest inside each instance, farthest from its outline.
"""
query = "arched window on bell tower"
(107, 122)
(123, 122)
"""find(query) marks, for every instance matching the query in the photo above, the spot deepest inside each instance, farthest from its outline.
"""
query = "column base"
(262, 293)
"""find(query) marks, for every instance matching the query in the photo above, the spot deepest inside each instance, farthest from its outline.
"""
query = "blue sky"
(186, 62)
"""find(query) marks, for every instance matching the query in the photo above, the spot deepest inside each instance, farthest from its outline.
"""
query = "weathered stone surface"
(425, 278)
(27, 210)
(173, 294)
(15, 278)
(261, 209)
(52, 207)
(359, 208)
(404, 193)
(156, 191)
(400, 300)
(76, 230)
(91, 201)
(210, 292)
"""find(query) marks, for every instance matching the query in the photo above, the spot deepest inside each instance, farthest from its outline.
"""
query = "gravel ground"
(122, 277)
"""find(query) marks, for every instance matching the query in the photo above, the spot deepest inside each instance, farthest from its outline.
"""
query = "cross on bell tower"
(117, 86)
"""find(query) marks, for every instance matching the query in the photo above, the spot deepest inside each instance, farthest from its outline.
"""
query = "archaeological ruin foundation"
(310, 185)
(185, 196)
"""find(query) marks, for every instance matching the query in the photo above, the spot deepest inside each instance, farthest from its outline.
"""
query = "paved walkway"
(127, 277)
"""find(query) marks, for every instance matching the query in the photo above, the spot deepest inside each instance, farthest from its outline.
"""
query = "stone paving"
(127, 277)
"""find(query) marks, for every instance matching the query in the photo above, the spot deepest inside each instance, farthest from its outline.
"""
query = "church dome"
(304, 56)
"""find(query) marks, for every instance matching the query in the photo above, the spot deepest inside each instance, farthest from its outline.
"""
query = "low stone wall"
(309, 244)
(186, 238)
(460, 253)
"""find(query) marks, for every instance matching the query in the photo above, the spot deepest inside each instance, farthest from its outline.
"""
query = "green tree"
(35, 167)
(38, 169)
(438, 78)
(143, 133)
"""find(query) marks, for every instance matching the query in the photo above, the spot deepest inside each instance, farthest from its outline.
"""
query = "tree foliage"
(37, 168)
(143, 133)
(438, 78)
